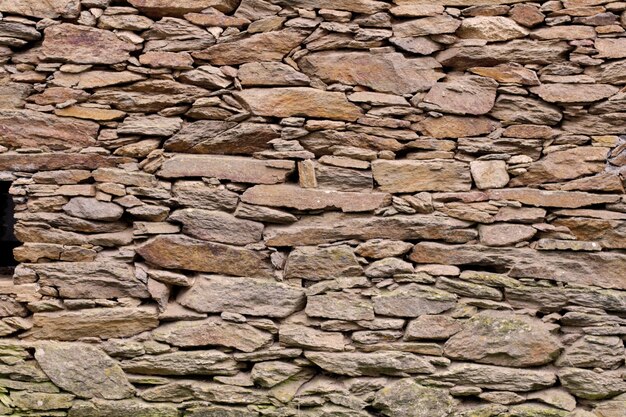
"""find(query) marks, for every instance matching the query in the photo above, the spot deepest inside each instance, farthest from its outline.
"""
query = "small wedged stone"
(233, 168)
(509, 73)
(264, 214)
(197, 362)
(371, 364)
(249, 296)
(182, 252)
(292, 196)
(315, 264)
(406, 398)
(83, 370)
(505, 339)
(213, 332)
(413, 300)
(217, 226)
(510, 109)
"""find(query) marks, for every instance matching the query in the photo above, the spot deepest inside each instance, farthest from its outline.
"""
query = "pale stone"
(135, 408)
(175, 8)
(448, 126)
(48, 9)
(508, 73)
(152, 125)
(199, 362)
(489, 174)
(371, 364)
(92, 209)
(432, 327)
(308, 338)
(504, 234)
(315, 264)
(426, 26)
(462, 95)
(409, 176)
(406, 398)
(491, 28)
(574, 93)
(413, 300)
(342, 306)
(570, 33)
(270, 74)
(217, 226)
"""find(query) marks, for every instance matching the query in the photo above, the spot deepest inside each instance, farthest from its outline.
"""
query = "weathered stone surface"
(426, 26)
(605, 270)
(83, 370)
(591, 124)
(150, 125)
(313, 263)
(213, 332)
(270, 74)
(517, 109)
(174, 8)
(462, 95)
(489, 174)
(269, 374)
(90, 279)
(332, 227)
(611, 48)
(48, 9)
(339, 305)
(508, 73)
(249, 296)
(356, 6)
(491, 28)
(92, 209)
(99, 408)
(199, 194)
(371, 364)
(308, 338)
(409, 176)
(182, 252)
(574, 93)
(406, 398)
(26, 128)
(227, 167)
(456, 126)
(325, 141)
(83, 45)
(292, 196)
(95, 79)
(298, 101)
(504, 234)
(382, 248)
(432, 327)
(96, 322)
(413, 300)
(540, 198)
(390, 72)
(591, 385)
(198, 362)
(570, 33)
(604, 352)
(506, 339)
(269, 46)
(217, 226)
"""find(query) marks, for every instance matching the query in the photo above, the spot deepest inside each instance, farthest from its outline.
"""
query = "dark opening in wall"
(8, 242)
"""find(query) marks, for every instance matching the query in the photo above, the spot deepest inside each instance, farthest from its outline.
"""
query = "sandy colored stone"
(370, 364)
(413, 300)
(387, 72)
(574, 93)
(231, 168)
(528, 15)
(569, 32)
(339, 305)
(292, 196)
(270, 74)
(432, 327)
(512, 109)
(182, 252)
(176, 60)
(422, 45)
(503, 234)
(462, 95)
(96, 322)
(217, 226)
(313, 263)
(426, 26)
(176, 8)
(268, 46)
(249, 296)
(489, 174)
(298, 101)
(410, 176)
(83, 45)
(83, 370)
(406, 398)
(448, 126)
(309, 338)
(43, 9)
(541, 198)
(382, 248)
(135, 408)
(182, 363)
(490, 28)
(356, 6)
(213, 17)
(95, 79)
(90, 113)
(508, 73)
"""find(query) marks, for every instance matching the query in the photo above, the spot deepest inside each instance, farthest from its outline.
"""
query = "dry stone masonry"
(314, 208)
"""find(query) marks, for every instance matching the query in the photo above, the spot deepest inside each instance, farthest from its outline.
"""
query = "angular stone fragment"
(264, 214)
(249, 296)
(413, 300)
(389, 72)
(270, 74)
(40, 401)
(406, 398)
(135, 408)
(83, 370)
(332, 227)
(268, 46)
(313, 263)
(489, 174)
(432, 327)
(519, 51)
(371, 364)
(45, 9)
(504, 234)
(508, 73)
(27, 128)
(269, 374)
(456, 126)
(218, 137)
(298, 101)
(340, 305)
(382, 248)
(541, 198)
(491, 28)
(93, 209)
(175, 8)
(217, 226)
(213, 332)
(324, 142)
(237, 169)
(590, 385)
(83, 45)
(308, 338)
(198, 362)
(418, 45)
(174, 60)
(95, 79)
(104, 323)
(199, 194)
(292, 196)
(606, 352)
(182, 252)
(408, 176)
(600, 269)
(426, 26)
(90, 279)
(462, 95)
(503, 338)
(152, 125)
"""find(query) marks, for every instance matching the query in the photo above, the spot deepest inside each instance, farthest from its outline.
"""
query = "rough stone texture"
(312, 208)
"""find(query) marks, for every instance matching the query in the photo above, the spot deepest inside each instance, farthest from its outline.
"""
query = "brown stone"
(574, 93)
(462, 95)
(490, 28)
(413, 300)
(218, 137)
(44, 9)
(268, 46)
(181, 363)
(315, 264)
(292, 196)
(422, 45)
(504, 234)
(409, 176)
(213, 332)
(217, 226)
(159, 59)
(176, 8)
(270, 74)
(27, 128)
(356, 6)
(388, 72)
(308, 338)
(508, 73)
(591, 124)
(371, 364)
(426, 26)
(213, 17)
(529, 132)
(456, 126)
(231, 168)
(512, 109)
(249, 296)
(432, 327)
(56, 95)
(182, 252)
(104, 323)
(489, 174)
(325, 141)
(332, 227)
(540, 198)
(600, 269)
(90, 113)
(95, 79)
(611, 48)
(528, 15)
(298, 101)
(84, 45)
(569, 33)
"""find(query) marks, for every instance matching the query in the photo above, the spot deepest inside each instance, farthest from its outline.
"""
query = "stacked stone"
(314, 208)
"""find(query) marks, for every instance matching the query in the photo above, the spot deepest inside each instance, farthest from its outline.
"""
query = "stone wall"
(314, 208)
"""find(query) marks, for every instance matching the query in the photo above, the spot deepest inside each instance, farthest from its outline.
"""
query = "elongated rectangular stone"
(233, 168)
(600, 269)
(542, 198)
(408, 176)
(55, 161)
